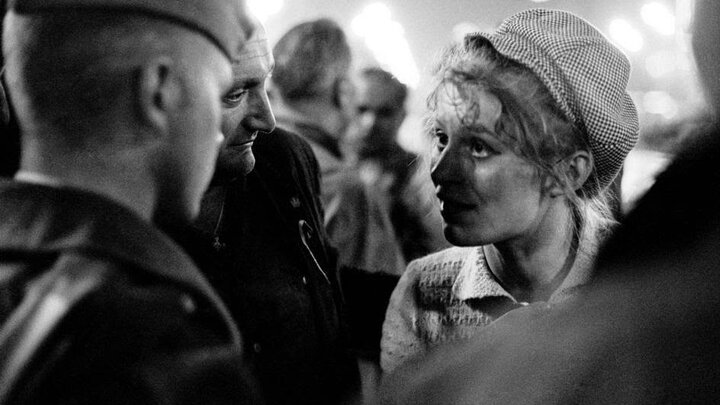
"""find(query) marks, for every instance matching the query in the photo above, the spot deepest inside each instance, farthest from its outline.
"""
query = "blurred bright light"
(659, 17)
(661, 64)
(660, 102)
(386, 40)
(683, 13)
(263, 9)
(538, 1)
(625, 35)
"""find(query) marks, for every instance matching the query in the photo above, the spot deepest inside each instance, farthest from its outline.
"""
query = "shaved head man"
(119, 106)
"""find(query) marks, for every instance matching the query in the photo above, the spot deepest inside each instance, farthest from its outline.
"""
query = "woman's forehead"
(466, 107)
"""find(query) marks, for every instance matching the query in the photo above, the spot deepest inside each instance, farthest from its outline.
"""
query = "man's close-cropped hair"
(67, 69)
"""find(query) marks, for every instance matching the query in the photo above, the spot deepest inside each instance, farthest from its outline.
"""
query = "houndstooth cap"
(586, 75)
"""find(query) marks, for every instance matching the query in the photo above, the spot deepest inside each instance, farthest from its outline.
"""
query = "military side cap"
(224, 22)
(586, 75)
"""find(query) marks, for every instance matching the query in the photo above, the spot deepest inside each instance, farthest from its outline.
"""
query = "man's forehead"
(256, 46)
(254, 49)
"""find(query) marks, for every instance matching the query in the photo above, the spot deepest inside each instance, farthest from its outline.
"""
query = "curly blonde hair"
(531, 123)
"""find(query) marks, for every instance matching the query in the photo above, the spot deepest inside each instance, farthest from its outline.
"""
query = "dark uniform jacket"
(98, 307)
(271, 263)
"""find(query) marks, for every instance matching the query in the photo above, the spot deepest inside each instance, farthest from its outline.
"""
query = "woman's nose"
(445, 167)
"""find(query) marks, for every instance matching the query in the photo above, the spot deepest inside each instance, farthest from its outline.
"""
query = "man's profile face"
(246, 109)
(379, 114)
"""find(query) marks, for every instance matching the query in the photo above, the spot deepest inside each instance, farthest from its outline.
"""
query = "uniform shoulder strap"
(47, 303)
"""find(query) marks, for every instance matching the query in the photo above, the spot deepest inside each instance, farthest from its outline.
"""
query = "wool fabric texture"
(585, 74)
(223, 22)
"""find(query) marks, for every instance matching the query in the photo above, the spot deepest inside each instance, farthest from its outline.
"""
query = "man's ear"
(577, 167)
(157, 93)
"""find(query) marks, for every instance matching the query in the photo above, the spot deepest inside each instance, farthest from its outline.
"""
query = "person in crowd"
(531, 124)
(118, 103)
(379, 106)
(261, 242)
(645, 333)
(314, 98)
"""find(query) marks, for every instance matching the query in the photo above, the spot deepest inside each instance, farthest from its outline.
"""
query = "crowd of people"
(189, 215)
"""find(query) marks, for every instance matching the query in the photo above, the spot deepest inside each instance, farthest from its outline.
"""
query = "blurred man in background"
(313, 96)
(403, 181)
(118, 103)
(379, 106)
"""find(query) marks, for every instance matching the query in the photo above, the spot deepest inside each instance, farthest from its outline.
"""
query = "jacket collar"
(39, 218)
(312, 132)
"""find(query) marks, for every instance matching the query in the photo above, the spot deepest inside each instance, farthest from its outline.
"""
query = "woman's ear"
(157, 94)
(577, 167)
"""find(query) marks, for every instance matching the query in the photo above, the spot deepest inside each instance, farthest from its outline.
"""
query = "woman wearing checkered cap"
(531, 123)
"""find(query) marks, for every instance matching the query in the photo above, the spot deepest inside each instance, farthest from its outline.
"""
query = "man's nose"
(262, 118)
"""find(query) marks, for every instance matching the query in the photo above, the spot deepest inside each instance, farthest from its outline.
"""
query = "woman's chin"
(459, 237)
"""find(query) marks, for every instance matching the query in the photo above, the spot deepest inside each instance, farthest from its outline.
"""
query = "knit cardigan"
(451, 295)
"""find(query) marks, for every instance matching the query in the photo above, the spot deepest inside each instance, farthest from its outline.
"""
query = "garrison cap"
(586, 75)
(223, 22)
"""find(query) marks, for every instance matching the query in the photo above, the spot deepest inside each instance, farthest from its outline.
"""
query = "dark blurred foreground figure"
(119, 106)
(260, 240)
(647, 333)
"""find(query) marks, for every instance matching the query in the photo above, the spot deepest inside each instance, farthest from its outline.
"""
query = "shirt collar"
(475, 280)
(28, 176)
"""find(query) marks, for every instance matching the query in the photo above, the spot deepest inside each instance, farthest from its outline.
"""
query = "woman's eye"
(480, 149)
(441, 139)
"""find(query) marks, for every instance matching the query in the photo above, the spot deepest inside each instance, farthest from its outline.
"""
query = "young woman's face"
(488, 193)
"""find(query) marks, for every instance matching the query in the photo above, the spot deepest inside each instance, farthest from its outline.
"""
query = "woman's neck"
(533, 266)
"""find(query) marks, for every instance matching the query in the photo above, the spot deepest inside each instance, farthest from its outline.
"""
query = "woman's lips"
(452, 208)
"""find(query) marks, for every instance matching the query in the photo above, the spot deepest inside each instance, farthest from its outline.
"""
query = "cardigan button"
(304, 280)
(257, 348)
(188, 303)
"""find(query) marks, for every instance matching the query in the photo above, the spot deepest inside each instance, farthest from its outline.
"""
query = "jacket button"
(304, 280)
(257, 348)
(188, 303)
